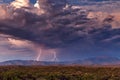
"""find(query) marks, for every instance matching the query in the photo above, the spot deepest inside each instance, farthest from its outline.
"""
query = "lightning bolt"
(39, 55)
(54, 57)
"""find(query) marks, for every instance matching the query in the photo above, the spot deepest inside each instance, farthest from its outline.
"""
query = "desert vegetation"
(59, 73)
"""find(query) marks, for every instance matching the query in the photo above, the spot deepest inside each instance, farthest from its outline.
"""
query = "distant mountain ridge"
(102, 60)
(26, 62)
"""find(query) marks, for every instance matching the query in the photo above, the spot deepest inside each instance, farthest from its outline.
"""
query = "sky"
(53, 30)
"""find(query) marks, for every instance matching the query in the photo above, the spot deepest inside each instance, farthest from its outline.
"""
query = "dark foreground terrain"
(59, 73)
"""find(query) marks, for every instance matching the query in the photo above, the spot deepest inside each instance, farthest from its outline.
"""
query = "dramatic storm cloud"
(52, 26)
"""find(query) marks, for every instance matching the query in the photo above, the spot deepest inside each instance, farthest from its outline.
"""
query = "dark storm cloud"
(64, 27)
(50, 6)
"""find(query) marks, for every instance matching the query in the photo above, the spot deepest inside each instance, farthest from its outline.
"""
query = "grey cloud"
(50, 6)
(67, 26)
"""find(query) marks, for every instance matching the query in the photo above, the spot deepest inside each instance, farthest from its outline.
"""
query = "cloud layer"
(53, 25)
